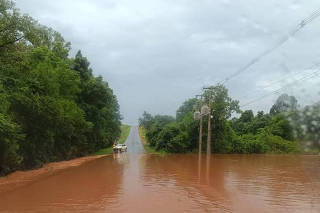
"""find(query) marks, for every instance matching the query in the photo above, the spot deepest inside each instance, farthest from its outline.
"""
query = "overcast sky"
(155, 54)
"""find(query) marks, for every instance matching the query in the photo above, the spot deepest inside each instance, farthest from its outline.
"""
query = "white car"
(120, 148)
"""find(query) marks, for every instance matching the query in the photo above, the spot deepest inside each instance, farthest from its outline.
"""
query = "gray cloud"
(157, 53)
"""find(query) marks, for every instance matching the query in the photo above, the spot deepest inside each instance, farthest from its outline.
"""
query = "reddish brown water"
(174, 183)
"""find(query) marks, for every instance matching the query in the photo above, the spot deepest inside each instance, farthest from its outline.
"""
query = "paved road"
(133, 141)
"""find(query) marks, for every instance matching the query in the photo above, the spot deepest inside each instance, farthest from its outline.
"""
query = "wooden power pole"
(209, 130)
(209, 124)
(200, 134)
(200, 130)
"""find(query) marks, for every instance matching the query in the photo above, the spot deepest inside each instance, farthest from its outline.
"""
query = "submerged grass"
(125, 130)
(152, 150)
(104, 151)
(142, 134)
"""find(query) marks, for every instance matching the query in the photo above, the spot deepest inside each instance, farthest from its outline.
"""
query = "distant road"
(133, 141)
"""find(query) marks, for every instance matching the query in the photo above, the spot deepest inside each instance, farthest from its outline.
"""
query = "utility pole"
(209, 130)
(200, 130)
(209, 125)
(200, 135)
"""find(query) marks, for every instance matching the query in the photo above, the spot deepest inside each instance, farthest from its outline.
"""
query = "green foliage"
(280, 126)
(104, 151)
(146, 120)
(125, 130)
(185, 108)
(221, 104)
(263, 133)
(51, 107)
(172, 139)
(99, 104)
(222, 137)
(250, 144)
(284, 103)
(279, 145)
(10, 136)
(158, 123)
(306, 124)
(263, 142)
(191, 128)
(247, 116)
(222, 108)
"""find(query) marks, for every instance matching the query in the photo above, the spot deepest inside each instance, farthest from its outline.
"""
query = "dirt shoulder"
(20, 178)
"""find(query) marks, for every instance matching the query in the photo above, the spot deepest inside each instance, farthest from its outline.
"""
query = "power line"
(283, 40)
(296, 74)
(286, 76)
(313, 16)
(307, 77)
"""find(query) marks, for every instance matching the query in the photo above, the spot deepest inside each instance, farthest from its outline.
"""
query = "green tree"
(185, 108)
(100, 105)
(52, 107)
(158, 123)
(146, 120)
(310, 125)
(172, 139)
(284, 103)
(222, 108)
(10, 137)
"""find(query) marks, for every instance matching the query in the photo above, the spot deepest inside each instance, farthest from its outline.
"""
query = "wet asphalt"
(133, 141)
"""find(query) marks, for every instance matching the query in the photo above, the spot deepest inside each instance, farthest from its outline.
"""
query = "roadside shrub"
(9, 138)
(279, 145)
(247, 144)
(223, 137)
(255, 146)
(281, 126)
(263, 142)
(237, 146)
(152, 134)
(172, 139)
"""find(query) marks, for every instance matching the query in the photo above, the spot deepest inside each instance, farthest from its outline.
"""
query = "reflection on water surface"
(177, 183)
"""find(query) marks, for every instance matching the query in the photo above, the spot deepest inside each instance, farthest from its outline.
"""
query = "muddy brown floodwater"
(176, 183)
(138, 182)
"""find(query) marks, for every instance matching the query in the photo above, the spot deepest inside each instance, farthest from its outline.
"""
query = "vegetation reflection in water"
(53, 107)
(239, 183)
(175, 182)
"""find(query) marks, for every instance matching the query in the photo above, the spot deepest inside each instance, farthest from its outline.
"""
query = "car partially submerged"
(119, 148)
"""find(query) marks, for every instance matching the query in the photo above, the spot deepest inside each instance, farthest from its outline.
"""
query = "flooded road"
(138, 182)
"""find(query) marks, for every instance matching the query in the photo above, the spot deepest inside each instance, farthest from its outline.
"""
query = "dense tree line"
(51, 106)
(284, 130)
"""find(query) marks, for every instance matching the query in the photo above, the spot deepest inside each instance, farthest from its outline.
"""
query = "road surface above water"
(133, 141)
(138, 182)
